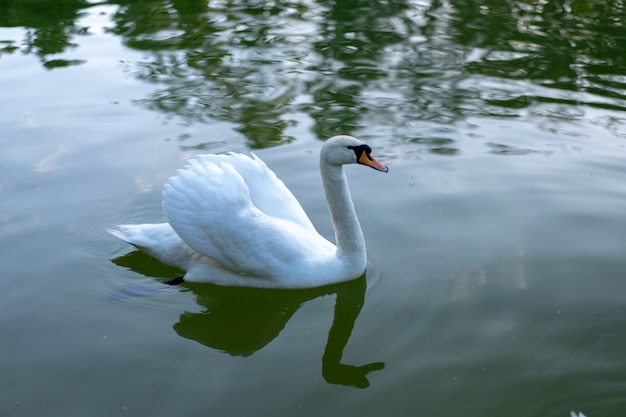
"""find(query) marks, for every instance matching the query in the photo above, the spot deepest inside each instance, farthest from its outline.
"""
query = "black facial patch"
(359, 150)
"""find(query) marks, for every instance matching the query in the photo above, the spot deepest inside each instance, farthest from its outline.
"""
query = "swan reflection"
(241, 321)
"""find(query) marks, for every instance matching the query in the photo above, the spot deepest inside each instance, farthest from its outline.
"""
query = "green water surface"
(496, 283)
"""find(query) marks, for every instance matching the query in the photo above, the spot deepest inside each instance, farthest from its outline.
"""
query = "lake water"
(496, 283)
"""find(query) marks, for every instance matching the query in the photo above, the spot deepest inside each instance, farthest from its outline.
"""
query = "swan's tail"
(122, 233)
(144, 235)
(157, 240)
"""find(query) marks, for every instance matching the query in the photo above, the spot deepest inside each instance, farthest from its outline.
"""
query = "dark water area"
(496, 243)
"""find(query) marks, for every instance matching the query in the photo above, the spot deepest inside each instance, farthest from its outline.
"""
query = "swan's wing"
(252, 227)
(267, 192)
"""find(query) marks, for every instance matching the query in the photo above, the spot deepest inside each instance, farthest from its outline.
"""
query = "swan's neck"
(348, 234)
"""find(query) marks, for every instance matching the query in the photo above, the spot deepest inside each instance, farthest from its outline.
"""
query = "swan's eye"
(360, 149)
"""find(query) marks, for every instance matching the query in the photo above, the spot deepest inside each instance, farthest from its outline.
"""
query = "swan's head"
(343, 149)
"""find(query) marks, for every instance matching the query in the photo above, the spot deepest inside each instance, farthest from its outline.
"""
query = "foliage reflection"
(394, 66)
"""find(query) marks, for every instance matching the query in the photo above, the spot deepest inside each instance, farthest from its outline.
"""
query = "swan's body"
(231, 221)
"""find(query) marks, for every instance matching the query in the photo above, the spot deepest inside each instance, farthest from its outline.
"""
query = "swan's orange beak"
(370, 161)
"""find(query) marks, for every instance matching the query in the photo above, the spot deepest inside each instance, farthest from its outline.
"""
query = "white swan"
(231, 221)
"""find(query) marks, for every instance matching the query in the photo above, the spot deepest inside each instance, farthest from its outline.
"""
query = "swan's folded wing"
(210, 207)
(267, 192)
(201, 203)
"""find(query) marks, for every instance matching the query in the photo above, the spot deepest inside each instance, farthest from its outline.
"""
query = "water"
(495, 283)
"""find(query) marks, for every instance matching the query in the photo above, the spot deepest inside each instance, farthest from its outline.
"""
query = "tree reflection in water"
(241, 321)
(410, 70)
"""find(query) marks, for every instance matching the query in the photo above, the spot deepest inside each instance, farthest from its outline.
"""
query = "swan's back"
(234, 209)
